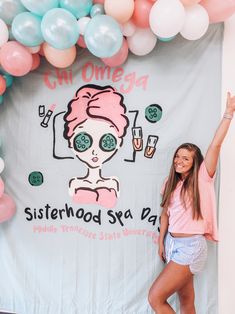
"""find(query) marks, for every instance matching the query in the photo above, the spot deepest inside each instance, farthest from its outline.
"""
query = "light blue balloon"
(40, 7)
(60, 28)
(26, 28)
(8, 78)
(9, 9)
(103, 36)
(78, 8)
(97, 9)
(165, 39)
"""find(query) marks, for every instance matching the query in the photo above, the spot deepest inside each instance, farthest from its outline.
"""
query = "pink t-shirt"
(180, 218)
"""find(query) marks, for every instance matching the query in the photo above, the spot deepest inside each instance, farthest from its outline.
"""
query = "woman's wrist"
(228, 115)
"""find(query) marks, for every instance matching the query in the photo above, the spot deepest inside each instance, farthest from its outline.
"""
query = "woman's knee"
(156, 298)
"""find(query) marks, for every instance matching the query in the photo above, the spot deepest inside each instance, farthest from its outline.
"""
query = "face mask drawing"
(95, 125)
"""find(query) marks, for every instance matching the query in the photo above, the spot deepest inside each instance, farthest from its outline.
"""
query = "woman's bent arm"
(163, 230)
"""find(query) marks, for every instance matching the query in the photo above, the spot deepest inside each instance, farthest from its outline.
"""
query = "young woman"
(187, 219)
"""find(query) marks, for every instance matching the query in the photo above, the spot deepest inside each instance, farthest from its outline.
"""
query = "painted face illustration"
(95, 142)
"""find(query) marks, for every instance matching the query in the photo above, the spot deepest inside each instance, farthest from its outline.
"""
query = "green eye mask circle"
(108, 142)
(82, 142)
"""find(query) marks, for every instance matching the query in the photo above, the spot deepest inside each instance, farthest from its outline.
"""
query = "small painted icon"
(137, 138)
(151, 146)
(153, 113)
(48, 115)
(41, 111)
(35, 178)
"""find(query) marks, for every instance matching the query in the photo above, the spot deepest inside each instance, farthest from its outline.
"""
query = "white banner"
(86, 152)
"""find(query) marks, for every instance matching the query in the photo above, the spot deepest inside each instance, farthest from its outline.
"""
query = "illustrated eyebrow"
(111, 126)
(81, 127)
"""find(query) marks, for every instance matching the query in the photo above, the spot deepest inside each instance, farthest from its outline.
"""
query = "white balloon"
(82, 24)
(128, 29)
(34, 49)
(167, 18)
(4, 33)
(142, 41)
(2, 165)
(196, 22)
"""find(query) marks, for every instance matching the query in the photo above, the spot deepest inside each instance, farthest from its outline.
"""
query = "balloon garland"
(109, 29)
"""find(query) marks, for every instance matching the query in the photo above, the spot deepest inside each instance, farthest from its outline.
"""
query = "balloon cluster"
(109, 29)
(7, 205)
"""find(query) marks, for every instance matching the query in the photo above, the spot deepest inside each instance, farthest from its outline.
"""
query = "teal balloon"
(26, 28)
(60, 28)
(40, 7)
(103, 36)
(97, 9)
(9, 9)
(1, 99)
(78, 8)
(8, 78)
(165, 39)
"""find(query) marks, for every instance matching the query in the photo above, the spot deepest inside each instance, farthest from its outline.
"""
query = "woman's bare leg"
(171, 279)
(186, 297)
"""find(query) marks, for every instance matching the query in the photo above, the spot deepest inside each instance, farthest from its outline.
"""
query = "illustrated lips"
(95, 159)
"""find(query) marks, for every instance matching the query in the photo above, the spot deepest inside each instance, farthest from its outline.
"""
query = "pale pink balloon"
(140, 16)
(120, 10)
(15, 58)
(189, 2)
(7, 208)
(59, 58)
(36, 61)
(1, 187)
(81, 42)
(218, 10)
(119, 58)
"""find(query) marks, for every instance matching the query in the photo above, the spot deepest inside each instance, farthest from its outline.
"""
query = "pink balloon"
(189, 2)
(1, 187)
(15, 58)
(59, 58)
(7, 208)
(119, 58)
(218, 10)
(3, 85)
(41, 52)
(140, 16)
(81, 42)
(36, 61)
(98, 1)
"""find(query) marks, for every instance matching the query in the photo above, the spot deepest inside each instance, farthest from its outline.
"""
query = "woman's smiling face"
(95, 142)
(183, 161)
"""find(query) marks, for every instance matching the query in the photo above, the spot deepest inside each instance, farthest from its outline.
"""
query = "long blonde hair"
(190, 183)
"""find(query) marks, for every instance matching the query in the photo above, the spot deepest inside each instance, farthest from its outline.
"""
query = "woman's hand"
(230, 105)
(161, 252)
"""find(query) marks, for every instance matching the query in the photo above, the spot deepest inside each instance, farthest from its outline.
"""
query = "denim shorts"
(190, 251)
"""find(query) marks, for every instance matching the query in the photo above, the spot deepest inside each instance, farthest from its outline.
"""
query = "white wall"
(227, 188)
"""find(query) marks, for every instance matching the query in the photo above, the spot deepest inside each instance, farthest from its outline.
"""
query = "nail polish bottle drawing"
(150, 146)
(48, 115)
(137, 138)
(41, 111)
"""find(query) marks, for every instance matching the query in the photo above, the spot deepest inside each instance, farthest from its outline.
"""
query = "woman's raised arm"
(213, 151)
